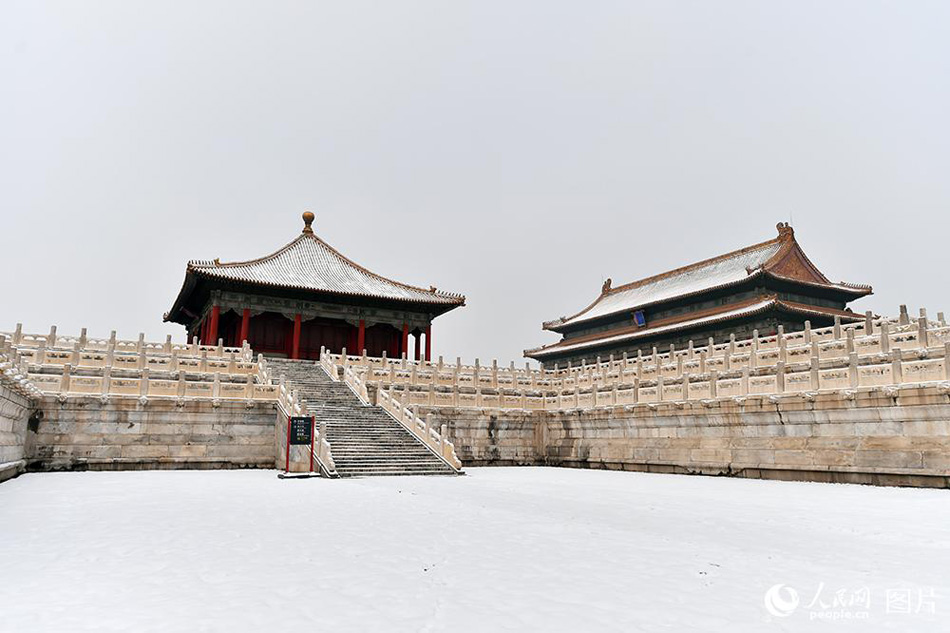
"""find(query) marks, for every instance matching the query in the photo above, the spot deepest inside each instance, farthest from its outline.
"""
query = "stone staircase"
(365, 440)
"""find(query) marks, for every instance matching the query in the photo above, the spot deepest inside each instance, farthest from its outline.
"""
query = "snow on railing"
(759, 354)
(14, 371)
(898, 369)
(421, 429)
(84, 343)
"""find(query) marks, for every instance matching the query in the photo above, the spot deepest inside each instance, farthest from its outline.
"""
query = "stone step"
(365, 440)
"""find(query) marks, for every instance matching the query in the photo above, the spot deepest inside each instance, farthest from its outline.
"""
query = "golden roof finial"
(307, 221)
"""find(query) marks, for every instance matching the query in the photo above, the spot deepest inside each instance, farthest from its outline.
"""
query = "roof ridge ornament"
(307, 222)
(785, 229)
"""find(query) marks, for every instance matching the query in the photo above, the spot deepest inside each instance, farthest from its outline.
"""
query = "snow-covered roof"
(769, 257)
(310, 264)
(743, 309)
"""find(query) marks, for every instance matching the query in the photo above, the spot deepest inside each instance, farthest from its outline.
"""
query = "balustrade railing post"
(106, 380)
(754, 351)
(885, 337)
(836, 330)
(659, 388)
(904, 318)
(83, 338)
(51, 339)
(64, 381)
(144, 382)
(814, 377)
(849, 341)
(744, 382)
(18, 334)
(853, 377)
(897, 374)
(946, 361)
(868, 323)
(922, 341)
(713, 384)
(249, 386)
(780, 377)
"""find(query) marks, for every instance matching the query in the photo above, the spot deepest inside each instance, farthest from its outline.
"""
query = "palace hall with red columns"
(305, 296)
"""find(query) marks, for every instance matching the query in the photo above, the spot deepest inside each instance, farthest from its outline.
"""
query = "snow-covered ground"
(513, 549)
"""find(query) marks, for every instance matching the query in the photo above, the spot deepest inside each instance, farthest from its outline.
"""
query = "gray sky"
(516, 152)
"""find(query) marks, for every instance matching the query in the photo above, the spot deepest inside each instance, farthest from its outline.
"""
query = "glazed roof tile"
(718, 272)
(309, 263)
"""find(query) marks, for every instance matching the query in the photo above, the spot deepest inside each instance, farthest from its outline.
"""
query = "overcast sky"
(516, 152)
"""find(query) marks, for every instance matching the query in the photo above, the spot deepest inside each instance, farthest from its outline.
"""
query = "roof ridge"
(216, 264)
(349, 261)
(699, 264)
(785, 234)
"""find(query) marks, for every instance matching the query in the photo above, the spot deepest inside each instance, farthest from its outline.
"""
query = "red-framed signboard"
(301, 431)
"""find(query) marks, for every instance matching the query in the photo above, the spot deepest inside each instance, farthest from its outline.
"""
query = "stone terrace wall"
(896, 438)
(14, 417)
(124, 433)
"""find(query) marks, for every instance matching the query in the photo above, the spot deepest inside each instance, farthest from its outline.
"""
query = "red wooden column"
(404, 348)
(213, 326)
(361, 338)
(245, 326)
(429, 343)
(295, 353)
(418, 345)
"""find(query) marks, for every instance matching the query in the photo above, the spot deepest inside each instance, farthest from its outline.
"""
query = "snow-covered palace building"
(305, 296)
(760, 288)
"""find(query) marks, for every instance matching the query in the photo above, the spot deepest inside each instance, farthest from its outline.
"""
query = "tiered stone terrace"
(866, 402)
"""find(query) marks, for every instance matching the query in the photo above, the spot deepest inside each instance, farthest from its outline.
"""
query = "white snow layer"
(502, 549)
